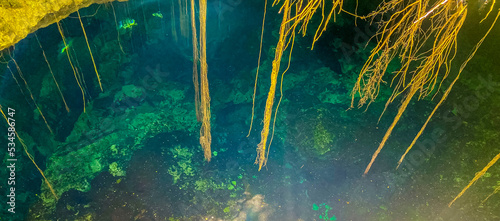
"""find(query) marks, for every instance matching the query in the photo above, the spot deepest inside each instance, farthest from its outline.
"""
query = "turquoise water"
(132, 152)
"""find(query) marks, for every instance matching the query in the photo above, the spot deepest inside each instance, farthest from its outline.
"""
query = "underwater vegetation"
(151, 110)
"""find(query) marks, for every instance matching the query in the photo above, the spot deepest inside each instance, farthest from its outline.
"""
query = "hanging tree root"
(302, 13)
(407, 35)
(476, 177)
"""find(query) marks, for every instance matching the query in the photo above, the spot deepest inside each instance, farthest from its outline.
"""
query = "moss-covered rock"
(101, 142)
(184, 164)
(116, 170)
(314, 134)
(20, 18)
(130, 92)
(323, 139)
